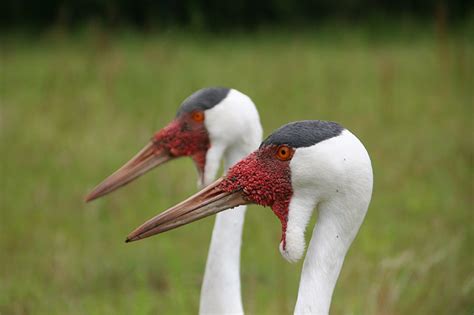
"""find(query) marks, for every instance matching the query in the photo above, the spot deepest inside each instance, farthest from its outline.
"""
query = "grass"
(74, 108)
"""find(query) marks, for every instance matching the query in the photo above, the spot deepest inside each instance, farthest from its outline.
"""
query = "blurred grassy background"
(75, 107)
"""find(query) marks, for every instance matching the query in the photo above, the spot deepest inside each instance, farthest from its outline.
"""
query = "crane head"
(296, 167)
(206, 124)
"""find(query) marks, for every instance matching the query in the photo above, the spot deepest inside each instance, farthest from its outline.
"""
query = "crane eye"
(198, 116)
(284, 153)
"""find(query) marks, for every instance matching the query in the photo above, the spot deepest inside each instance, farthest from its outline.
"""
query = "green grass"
(74, 108)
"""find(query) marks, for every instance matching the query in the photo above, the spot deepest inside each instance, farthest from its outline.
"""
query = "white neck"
(235, 131)
(221, 291)
(342, 194)
(332, 236)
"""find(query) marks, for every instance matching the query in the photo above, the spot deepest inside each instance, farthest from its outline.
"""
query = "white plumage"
(235, 131)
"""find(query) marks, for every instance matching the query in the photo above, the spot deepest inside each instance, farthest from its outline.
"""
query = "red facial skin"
(185, 137)
(265, 180)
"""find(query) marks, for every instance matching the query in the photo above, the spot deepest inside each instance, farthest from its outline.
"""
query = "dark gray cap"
(300, 134)
(203, 99)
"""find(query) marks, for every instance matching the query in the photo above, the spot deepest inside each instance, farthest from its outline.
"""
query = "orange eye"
(198, 116)
(284, 153)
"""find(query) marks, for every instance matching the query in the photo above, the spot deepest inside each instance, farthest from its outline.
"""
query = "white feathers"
(336, 176)
(221, 290)
(295, 245)
(234, 131)
(300, 209)
(234, 124)
(335, 167)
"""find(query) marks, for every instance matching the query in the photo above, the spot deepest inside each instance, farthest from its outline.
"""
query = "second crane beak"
(208, 201)
(149, 157)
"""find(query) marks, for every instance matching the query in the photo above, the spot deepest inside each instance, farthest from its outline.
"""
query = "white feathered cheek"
(295, 245)
(299, 214)
(300, 208)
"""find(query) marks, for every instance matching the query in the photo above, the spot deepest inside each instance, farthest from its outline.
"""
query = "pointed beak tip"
(142, 162)
(90, 196)
(130, 239)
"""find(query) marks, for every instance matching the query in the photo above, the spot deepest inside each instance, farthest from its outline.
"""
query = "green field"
(75, 107)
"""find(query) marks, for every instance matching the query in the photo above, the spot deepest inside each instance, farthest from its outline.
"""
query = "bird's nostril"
(185, 127)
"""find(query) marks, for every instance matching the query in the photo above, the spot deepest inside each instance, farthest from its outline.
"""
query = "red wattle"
(184, 137)
(265, 180)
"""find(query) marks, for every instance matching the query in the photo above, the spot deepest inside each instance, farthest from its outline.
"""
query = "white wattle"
(335, 176)
(235, 131)
(302, 204)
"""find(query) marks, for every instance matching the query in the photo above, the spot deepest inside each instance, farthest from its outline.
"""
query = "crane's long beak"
(149, 157)
(208, 201)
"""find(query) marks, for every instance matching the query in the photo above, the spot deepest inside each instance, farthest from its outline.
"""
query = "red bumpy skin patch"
(185, 137)
(265, 180)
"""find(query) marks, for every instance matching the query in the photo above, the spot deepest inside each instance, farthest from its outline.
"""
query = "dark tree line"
(217, 14)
